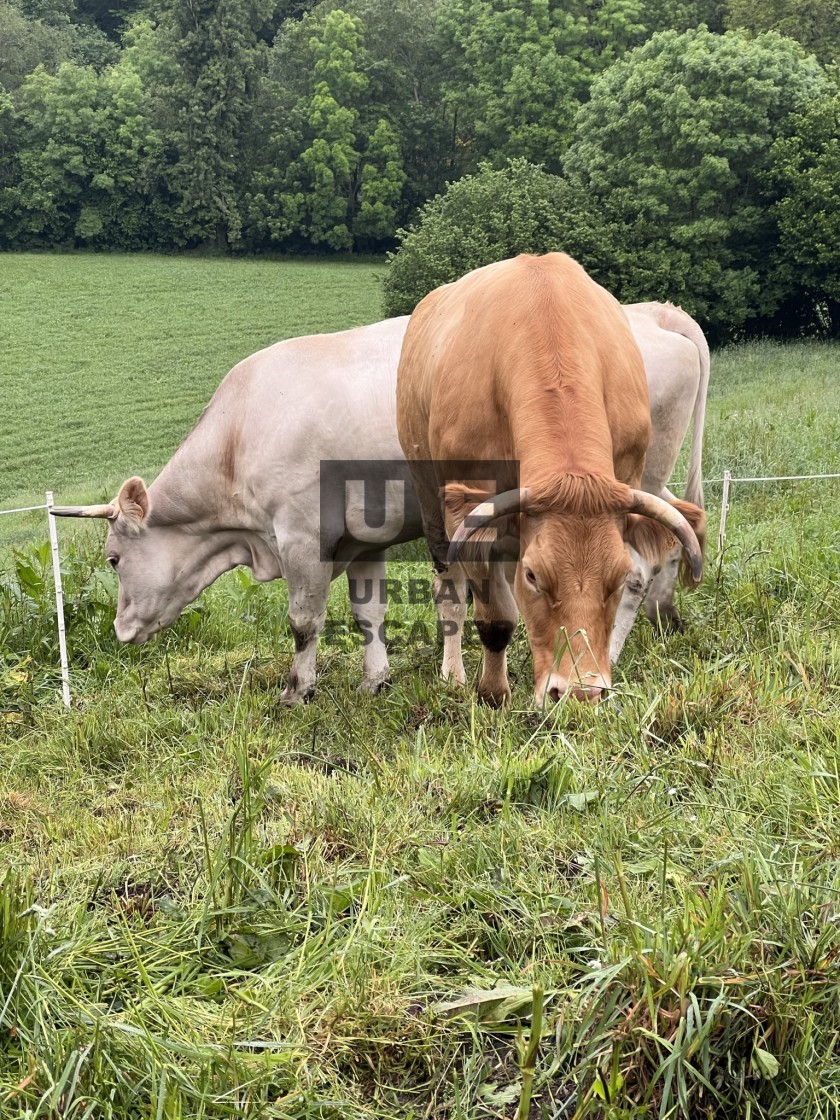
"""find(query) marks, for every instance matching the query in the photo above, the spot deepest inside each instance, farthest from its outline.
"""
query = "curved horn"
(660, 510)
(110, 511)
(509, 501)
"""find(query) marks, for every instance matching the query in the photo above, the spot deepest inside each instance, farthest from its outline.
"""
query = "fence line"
(59, 604)
(23, 509)
(768, 478)
(59, 592)
(779, 478)
(727, 481)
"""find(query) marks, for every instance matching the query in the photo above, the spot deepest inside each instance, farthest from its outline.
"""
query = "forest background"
(689, 151)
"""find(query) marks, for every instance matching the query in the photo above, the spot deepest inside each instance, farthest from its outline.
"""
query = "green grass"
(109, 359)
(215, 907)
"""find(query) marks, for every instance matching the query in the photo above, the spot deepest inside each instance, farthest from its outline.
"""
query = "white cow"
(244, 488)
(676, 357)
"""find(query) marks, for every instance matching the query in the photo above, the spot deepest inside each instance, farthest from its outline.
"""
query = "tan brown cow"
(530, 361)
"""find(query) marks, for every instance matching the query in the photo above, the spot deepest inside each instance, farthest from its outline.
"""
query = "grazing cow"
(530, 361)
(243, 488)
(676, 357)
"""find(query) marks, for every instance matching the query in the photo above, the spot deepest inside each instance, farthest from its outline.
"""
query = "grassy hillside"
(109, 359)
(216, 907)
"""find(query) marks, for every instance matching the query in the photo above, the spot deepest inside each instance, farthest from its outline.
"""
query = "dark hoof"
(667, 620)
(375, 685)
(494, 699)
(296, 695)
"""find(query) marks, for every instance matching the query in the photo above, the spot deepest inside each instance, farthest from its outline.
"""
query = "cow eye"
(113, 560)
(530, 577)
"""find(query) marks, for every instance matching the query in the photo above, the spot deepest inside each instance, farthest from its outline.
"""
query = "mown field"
(409, 906)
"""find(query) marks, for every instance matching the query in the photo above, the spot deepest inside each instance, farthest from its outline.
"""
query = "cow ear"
(133, 501)
(459, 500)
(651, 539)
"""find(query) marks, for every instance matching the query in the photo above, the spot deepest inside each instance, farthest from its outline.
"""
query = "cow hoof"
(291, 696)
(455, 678)
(495, 698)
(667, 620)
(374, 685)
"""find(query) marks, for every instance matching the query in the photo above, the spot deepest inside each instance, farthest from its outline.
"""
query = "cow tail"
(694, 486)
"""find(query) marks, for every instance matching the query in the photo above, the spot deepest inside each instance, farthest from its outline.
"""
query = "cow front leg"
(635, 589)
(449, 591)
(366, 584)
(496, 616)
(309, 588)
(660, 607)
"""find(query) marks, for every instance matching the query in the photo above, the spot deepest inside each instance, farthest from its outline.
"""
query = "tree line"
(690, 148)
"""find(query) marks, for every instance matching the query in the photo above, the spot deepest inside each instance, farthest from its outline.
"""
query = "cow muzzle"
(136, 631)
(130, 633)
(554, 688)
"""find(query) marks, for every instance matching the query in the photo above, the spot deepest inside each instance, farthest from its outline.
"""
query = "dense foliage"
(483, 218)
(692, 175)
(689, 143)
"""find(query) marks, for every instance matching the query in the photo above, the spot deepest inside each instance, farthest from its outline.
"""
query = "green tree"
(672, 148)
(331, 169)
(110, 16)
(521, 69)
(381, 182)
(405, 67)
(45, 35)
(805, 175)
(814, 23)
(215, 58)
(84, 147)
(321, 182)
(24, 43)
(486, 217)
(10, 141)
(684, 15)
(84, 42)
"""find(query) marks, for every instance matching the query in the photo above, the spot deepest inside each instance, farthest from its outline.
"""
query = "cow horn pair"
(515, 501)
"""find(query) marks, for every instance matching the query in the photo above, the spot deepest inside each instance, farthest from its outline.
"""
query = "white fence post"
(724, 509)
(59, 604)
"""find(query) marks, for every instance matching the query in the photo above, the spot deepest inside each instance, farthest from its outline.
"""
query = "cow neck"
(190, 491)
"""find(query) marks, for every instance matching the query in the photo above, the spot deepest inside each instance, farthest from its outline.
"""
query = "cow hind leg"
(450, 595)
(496, 615)
(309, 587)
(366, 582)
(660, 607)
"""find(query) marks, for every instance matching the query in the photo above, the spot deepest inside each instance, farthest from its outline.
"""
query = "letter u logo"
(366, 520)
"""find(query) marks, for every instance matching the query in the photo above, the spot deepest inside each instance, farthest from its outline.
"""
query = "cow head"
(572, 570)
(162, 565)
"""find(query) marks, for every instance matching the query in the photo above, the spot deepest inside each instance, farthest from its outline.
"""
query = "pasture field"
(108, 359)
(409, 906)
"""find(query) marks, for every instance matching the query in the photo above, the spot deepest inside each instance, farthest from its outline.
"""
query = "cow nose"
(586, 692)
(557, 688)
(126, 632)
